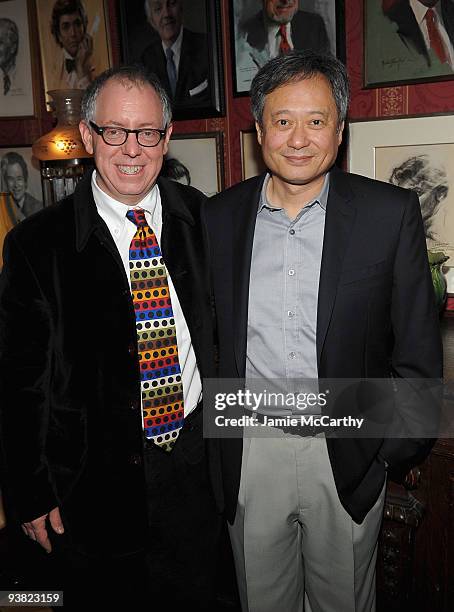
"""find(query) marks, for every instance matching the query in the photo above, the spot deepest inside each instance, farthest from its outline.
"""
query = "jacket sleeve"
(416, 360)
(25, 355)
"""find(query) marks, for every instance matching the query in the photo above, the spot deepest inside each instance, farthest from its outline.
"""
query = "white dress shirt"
(123, 230)
(420, 11)
(176, 48)
(274, 38)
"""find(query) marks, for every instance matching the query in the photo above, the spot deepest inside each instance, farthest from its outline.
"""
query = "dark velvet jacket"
(376, 314)
(69, 373)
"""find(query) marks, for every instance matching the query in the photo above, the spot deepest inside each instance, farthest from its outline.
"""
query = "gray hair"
(148, 10)
(136, 75)
(297, 66)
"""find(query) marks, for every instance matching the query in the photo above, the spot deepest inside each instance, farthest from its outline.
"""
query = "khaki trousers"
(295, 546)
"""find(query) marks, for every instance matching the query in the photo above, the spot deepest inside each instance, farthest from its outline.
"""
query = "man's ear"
(259, 132)
(165, 146)
(87, 137)
(340, 131)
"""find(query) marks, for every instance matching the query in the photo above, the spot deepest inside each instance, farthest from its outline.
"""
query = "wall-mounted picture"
(74, 42)
(251, 155)
(196, 160)
(416, 154)
(181, 42)
(20, 176)
(16, 81)
(408, 41)
(262, 29)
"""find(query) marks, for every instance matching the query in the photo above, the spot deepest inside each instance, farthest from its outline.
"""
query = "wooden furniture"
(415, 569)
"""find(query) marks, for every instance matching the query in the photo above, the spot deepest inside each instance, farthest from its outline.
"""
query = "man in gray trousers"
(317, 274)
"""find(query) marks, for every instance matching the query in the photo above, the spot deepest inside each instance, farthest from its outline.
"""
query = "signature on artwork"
(396, 62)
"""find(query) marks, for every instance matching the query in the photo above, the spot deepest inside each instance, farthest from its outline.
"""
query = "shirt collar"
(113, 211)
(420, 10)
(176, 47)
(321, 199)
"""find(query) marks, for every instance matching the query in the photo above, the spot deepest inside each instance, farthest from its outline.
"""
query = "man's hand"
(36, 529)
(83, 57)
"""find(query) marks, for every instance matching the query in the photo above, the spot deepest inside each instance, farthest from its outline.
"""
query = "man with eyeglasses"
(105, 333)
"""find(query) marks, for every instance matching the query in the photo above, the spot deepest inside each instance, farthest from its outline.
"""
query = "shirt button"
(291, 272)
(292, 355)
(290, 314)
(135, 459)
(292, 232)
(116, 231)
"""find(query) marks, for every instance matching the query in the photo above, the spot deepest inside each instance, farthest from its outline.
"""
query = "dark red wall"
(383, 102)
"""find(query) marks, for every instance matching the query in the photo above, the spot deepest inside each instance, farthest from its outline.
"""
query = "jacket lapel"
(340, 217)
(176, 244)
(244, 219)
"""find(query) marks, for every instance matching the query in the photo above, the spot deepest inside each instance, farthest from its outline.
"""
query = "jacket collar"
(88, 220)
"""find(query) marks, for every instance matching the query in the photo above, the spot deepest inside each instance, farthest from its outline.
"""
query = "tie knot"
(137, 216)
(70, 64)
(169, 53)
(430, 15)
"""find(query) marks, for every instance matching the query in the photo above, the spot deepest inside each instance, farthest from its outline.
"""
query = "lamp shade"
(63, 142)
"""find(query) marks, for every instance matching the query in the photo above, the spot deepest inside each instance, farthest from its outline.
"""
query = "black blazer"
(408, 29)
(375, 285)
(192, 70)
(307, 29)
(69, 371)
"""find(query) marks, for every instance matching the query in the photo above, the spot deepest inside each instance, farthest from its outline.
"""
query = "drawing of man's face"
(9, 42)
(15, 181)
(280, 11)
(71, 31)
(428, 182)
(166, 17)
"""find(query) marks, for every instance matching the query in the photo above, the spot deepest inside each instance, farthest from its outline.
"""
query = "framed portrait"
(16, 62)
(183, 48)
(20, 176)
(260, 32)
(418, 154)
(75, 45)
(252, 163)
(196, 160)
(407, 42)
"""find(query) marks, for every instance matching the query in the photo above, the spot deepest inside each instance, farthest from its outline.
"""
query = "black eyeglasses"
(116, 136)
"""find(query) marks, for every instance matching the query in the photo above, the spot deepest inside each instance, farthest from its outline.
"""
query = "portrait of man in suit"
(324, 276)
(14, 171)
(278, 27)
(69, 29)
(408, 40)
(74, 42)
(105, 335)
(178, 55)
(425, 26)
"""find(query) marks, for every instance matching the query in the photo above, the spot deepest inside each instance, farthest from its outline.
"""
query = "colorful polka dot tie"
(160, 373)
